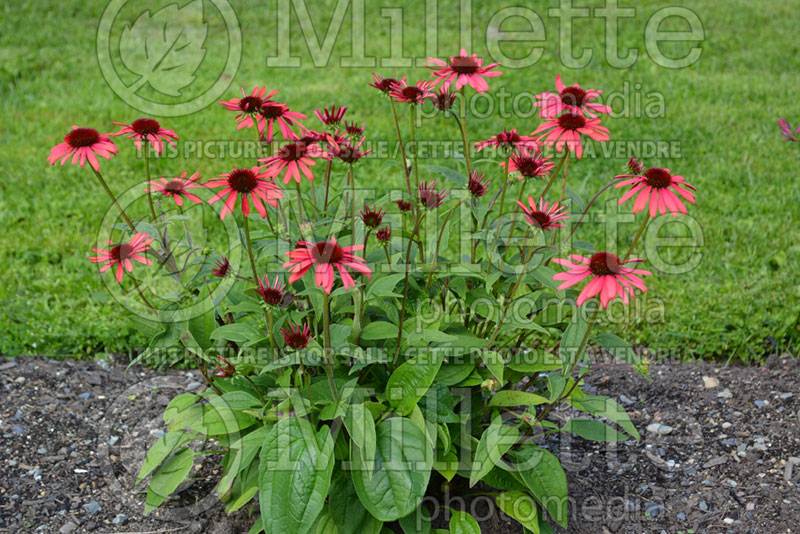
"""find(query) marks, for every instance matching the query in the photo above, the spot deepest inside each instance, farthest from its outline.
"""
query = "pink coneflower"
(254, 186)
(567, 129)
(444, 99)
(349, 153)
(224, 372)
(371, 217)
(412, 94)
(463, 69)
(293, 157)
(222, 268)
(403, 205)
(478, 184)
(150, 130)
(295, 336)
(248, 105)
(83, 144)
(543, 215)
(529, 163)
(122, 254)
(429, 196)
(571, 99)
(271, 112)
(178, 188)
(658, 187)
(508, 140)
(353, 129)
(610, 277)
(331, 117)
(326, 257)
(311, 137)
(385, 85)
(384, 235)
(271, 294)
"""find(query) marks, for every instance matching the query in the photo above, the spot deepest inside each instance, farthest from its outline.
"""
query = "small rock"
(193, 385)
(652, 509)
(41, 450)
(20, 380)
(18, 430)
(93, 507)
(120, 519)
(68, 527)
(85, 396)
(682, 516)
(785, 396)
(710, 382)
(659, 429)
(626, 400)
(759, 403)
(725, 394)
(728, 521)
(703, 506)
(726, 425)
(112, 441)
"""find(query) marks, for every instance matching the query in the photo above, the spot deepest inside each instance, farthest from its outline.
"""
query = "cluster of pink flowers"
(569, 114)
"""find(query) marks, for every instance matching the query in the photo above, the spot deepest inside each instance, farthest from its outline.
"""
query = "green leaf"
(347, 511)
(379, 330)
(495, 363)
(403, 461)
(384, 286)
(411, 381)
(533, 361)
(571, 340)
(163, 447)
(544, 275)
(520, 506)
(168, 477)
(463, 523)
(204, 322)
(294, 475)
(236, 332)
(496, 440)
(618, 347)
(452, 373)
(516, 398)
(542, 473)
(361, 427)
(608, 408)
(417, 522)
(447, 172)
(592, 430)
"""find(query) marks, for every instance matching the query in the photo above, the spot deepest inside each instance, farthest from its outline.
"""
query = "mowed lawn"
(741, 300)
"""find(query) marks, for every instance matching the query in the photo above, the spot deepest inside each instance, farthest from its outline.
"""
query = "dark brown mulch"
(73, 433)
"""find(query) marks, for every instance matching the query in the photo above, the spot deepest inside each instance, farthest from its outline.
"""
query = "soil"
(73, 434)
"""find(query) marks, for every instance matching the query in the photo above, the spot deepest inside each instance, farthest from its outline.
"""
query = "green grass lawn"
(722, 111)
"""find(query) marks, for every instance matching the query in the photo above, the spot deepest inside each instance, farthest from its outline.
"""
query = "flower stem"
(402, 150)
(327, 184)
(438, 242)
(147, 175)
(141, 295)
(405, 287)
(114, 200)
(352, 181)
(326, 326)
(267, 315)
(636, 237)
(554, 175)
(299, 204)
(463, 126)
(411, 110)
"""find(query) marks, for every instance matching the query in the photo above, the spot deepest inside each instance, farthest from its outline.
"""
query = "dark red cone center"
(82, 137)
(250, 104)
(465, 64)
(145, 126)
(605, 263)
(327, 252)
(568, 121)
(573, 96)
(242, 180)
(658, 178)
(293, 151)
(174, 187)
(122, 251)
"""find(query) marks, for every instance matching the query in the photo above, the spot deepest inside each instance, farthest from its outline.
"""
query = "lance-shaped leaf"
(411, 381)
(496, 440)
(294, 475)
(545, 478)
(168, 477)
(403, 461)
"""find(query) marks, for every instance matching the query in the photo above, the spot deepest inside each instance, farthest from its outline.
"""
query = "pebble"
(68, 527)
(120, 519)
(726, 425)
(85, 396)
(193, 385)
(759, 403)
(626, 400)
(41, 450)
(703, 506)
(652, 509)
(710, 382)
(659, 429)
(112, 441)
(725, 394)
(93, 507)
(682, 516)
(785, 396)
(18, 430)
